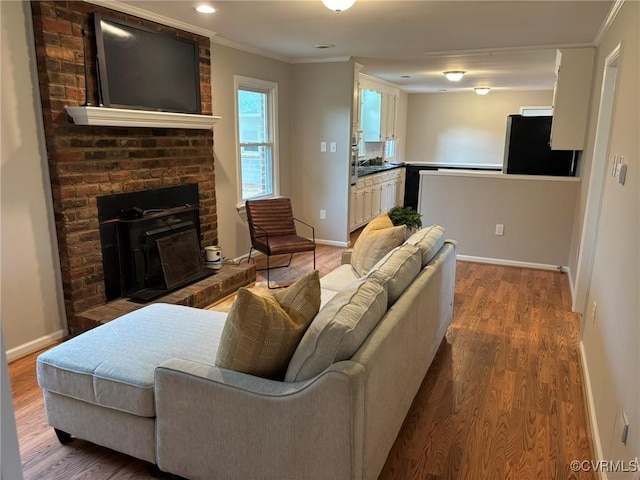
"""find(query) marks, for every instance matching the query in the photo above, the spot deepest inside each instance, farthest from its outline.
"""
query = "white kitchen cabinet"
(371, 115)
(399, 181)
(571, 95)
(355, 114)
(352, 207)
(378, 110)
(388, 117)
(375, 194)
(359, 210)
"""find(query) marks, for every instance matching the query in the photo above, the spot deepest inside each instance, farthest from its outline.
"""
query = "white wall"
(612, 341)
(321, 104)
(233, 233)
(460, 128)
(536, 212)
(31, 288)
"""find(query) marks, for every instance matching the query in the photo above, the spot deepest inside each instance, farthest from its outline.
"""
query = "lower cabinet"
(373, 195)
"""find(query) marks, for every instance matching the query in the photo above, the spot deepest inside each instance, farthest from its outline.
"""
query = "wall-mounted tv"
(144, 69)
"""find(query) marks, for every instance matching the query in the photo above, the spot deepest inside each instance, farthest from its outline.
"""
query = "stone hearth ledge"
(200, 295)
(122, 117)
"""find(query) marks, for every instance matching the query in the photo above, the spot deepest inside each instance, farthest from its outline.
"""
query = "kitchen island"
(535, 214)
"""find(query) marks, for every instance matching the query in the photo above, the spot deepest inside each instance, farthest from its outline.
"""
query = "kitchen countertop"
(373, 169)
(496, 175)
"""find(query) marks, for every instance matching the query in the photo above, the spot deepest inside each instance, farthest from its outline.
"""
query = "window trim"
(271, 90)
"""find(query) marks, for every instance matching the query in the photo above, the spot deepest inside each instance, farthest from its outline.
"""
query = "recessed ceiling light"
(323, 46)
(205, 9)
(454, 75)
(482, 90)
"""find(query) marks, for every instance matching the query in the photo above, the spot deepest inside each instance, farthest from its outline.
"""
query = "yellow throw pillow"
(262, 331)
(377, 239)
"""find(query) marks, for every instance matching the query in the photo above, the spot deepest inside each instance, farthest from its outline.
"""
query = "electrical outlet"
(593, 312)
(333, 147)
(323, 214)
(323, 147)
(499, 229)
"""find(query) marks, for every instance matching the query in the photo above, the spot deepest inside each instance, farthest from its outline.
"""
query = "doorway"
(588, 239)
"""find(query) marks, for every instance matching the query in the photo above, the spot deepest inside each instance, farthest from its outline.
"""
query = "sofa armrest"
(217, 423)
(346, 257)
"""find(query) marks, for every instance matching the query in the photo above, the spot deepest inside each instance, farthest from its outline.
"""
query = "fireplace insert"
(151, 242)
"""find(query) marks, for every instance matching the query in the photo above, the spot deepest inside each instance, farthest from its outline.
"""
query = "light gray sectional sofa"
(146, 384)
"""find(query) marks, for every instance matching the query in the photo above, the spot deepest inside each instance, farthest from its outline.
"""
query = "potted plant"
(406, 216)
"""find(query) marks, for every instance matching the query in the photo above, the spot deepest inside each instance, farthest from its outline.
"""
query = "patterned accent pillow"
(377, 239)
(262, 331)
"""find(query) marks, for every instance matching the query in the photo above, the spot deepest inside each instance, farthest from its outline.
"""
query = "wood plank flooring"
(502, 399)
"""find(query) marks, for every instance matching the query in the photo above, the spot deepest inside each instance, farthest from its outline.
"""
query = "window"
(256, 121)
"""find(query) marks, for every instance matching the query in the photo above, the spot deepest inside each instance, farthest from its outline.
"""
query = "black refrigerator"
(527, 150)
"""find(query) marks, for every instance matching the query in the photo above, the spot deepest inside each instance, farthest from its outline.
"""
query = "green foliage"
(405, 216)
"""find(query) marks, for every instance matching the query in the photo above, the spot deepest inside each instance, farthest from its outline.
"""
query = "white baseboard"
(35, 345)
(572, 288)
(332, 243)
(591, 408)
(512, 263)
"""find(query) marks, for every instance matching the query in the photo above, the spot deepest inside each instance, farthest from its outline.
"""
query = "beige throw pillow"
(377, 239)
(262, 331)
(339, 329)
(400, 267)
(429, 240)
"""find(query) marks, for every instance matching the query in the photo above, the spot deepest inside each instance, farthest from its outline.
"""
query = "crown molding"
(615, 8)
(240, 46)
(154, 17)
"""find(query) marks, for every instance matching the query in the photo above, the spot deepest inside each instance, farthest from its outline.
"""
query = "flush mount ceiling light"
(205, 9)
(338, 5)
(454, 75)
(482, 90)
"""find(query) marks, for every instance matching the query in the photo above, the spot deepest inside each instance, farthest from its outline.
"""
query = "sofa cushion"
(375, 241)
(339, 329)
(263, 331)
(113, 365)
(339, 278)
(429, 240)
(400, 266)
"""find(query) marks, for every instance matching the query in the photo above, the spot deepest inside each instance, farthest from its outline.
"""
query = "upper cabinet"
(574, 74)
(355, 108)
(378, 111)
(371, 115)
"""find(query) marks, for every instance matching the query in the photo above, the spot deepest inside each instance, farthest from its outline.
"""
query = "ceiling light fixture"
(482, 90)
(338, 5)
(454, 75)
(205, 9)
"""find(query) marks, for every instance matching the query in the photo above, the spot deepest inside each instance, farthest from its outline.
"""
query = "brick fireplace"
(86, 162)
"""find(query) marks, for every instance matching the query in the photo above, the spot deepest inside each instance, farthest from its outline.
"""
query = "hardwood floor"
(502, 399)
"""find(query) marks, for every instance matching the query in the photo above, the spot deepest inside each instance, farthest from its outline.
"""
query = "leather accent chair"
(272, 227)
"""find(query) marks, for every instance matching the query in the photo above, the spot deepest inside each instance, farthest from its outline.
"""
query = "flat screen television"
(143, 69)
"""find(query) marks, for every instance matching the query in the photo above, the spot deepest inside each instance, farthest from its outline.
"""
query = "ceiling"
(508, 45)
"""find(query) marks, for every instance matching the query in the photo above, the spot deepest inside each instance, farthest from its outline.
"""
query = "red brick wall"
(87, 162)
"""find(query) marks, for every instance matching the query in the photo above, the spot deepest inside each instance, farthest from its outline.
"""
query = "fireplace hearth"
(151, 242)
